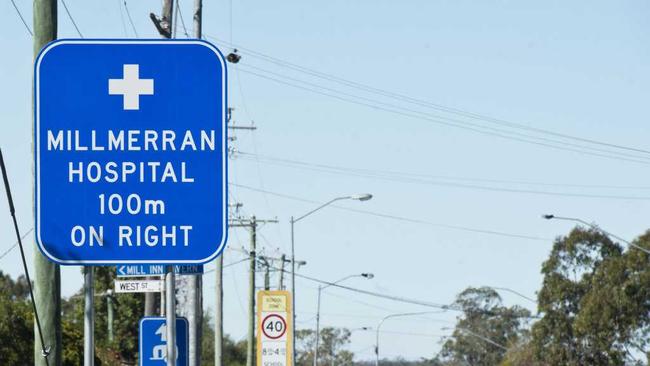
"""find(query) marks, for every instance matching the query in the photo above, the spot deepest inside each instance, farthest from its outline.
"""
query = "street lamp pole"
(395, 316)
(293, 295)
(513, 292)
(359, 197)
(320, 289)
(597, 228)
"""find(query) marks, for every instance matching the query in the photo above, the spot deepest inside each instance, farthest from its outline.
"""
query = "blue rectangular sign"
(130, 152)
(142, 270)
(153, 342)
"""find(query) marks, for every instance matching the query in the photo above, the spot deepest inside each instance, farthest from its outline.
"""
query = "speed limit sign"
(274, 335)
(274, 326)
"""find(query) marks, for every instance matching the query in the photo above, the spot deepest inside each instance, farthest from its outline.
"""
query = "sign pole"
(218, 314)
(170, 315)
(89, 317)
(109, 304)
(163, 296)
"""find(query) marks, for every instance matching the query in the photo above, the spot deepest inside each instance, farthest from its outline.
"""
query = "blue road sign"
(153, 341)
(142, 270)
(130, 151)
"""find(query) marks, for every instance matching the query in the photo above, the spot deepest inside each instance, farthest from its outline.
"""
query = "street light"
(396, 316)
(357, 197)
(483, 338)
(597, 228)
(513, 292)
(320, 289)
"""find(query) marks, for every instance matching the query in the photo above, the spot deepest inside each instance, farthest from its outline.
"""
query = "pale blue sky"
(579, 68)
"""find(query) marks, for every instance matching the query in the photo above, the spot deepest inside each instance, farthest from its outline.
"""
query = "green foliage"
(331, 347)
(521, 354)
(207, 341)
(16, 322)
(72, 339)
(128, 309)
(484, 325)
(594, 302)
(234, 354)
(400, 361)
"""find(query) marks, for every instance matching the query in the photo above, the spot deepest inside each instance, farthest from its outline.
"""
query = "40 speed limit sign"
(274, 328)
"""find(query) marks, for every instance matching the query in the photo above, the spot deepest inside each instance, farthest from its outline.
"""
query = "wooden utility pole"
(164, 23)
(281, 281)
(191, 305)
(252, 224)
(198, 19)
(164, 27)
(250, 348)
(47, 281)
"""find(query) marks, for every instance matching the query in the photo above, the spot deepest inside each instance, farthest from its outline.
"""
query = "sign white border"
(37, 153)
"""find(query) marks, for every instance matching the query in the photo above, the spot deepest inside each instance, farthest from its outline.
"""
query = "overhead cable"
(420, 102)
(399, 218)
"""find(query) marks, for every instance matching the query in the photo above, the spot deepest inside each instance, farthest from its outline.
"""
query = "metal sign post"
(170, 315)
(89, 317)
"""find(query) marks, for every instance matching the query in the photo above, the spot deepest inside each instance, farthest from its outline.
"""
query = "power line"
(414, 180)
(4, 254)
(128, 15)
(378, 317)
(398, 218)
(180, 15)
(423, 103)
(438, 118)
(402, 299)
(466, 126)
(20, 15)
(119, 3)
(228, 265)
(65, 6)
(389, 173)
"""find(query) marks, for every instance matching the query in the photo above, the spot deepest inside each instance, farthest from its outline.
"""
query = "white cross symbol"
(130, 87)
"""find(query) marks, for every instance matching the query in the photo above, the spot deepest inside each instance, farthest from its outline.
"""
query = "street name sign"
(153, 342)
(274, 333)
(138, 286)
(130, 152)
(143, 270)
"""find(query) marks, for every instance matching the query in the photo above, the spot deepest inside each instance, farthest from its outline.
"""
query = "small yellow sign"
(274, 331)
